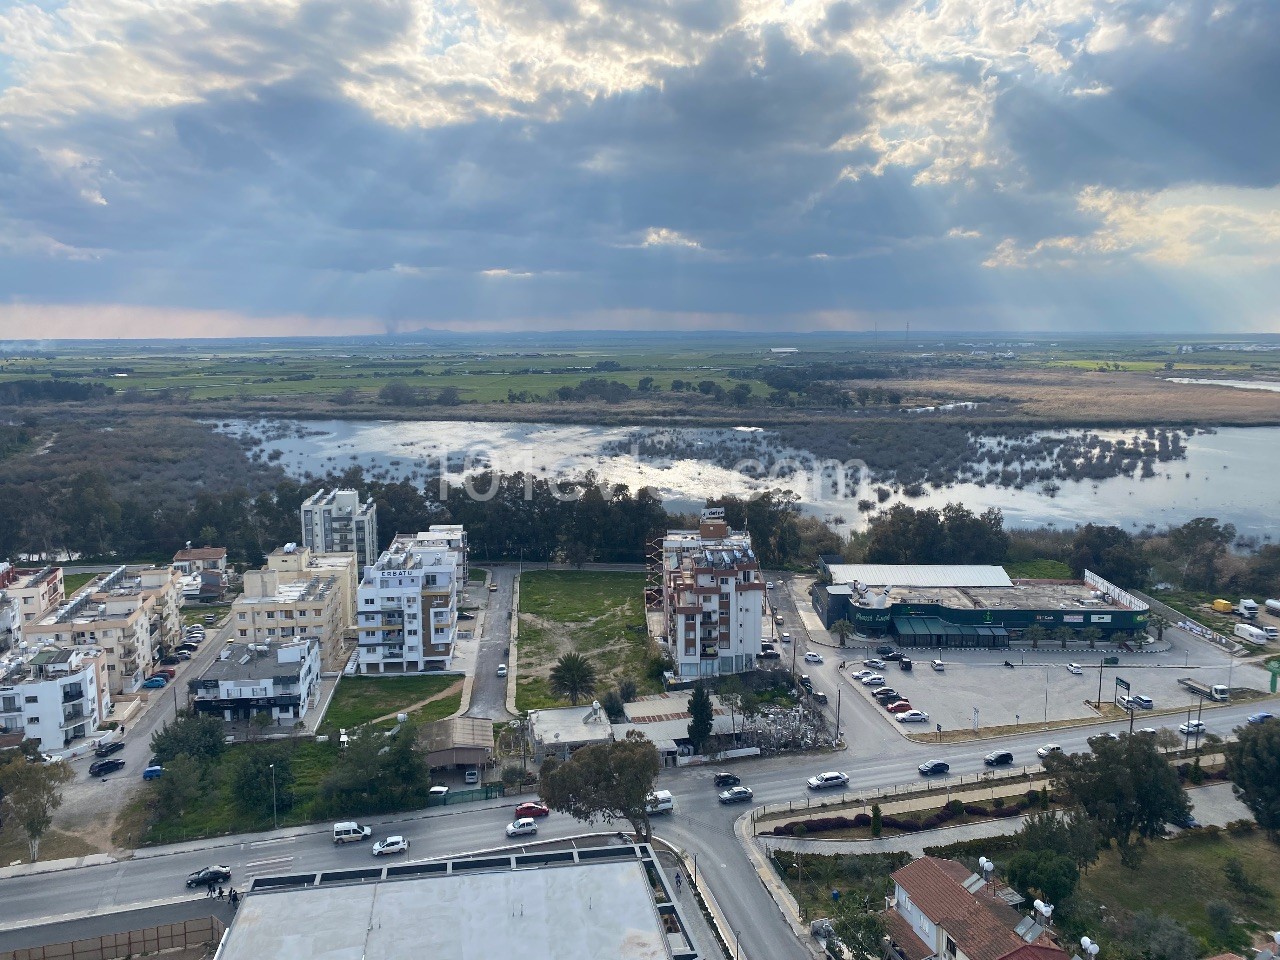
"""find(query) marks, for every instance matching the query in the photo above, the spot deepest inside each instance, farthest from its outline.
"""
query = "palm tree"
(573, 677)
(842, 629)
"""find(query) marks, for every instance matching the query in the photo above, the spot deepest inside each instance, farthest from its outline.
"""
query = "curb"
(722, 925)
(513, 658)
(56, 866)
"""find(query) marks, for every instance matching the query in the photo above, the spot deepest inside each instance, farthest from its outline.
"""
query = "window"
(368, 601)
(240, 616)
(951, 947)
(244, 633)
(31, 699)
(33, 721)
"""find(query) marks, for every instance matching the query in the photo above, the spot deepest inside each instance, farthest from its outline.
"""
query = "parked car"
(1191, 727)
(493, 587)
(899, 706)
(187, 647)
(171, 661)
(1074, 668)
(770, 655)
(913, 716)
(210, 618)
(777, 618)
(862, 675)
(531, 808)
(438, 792)
(182, 655)
(1145, 702)
(502, 669)
(1047, 749)
(932, 767)
(736, 795)
(886, 694)
(875, 663)
(806, 682)
(107, 749)
(207, 875)
(819, 696)
(883, 649)
(893, 655)
(1126, 703)
(100, 767)
(905, 663)
(1261, 717)
(522, 827)
(156, 682)
(825, 781)
(390, 845)
(813, 658)
(875, 680)
(1000, 758)
(786, 638)
(727, 780)
(1185, 821)
(769, 585)
(471, 776)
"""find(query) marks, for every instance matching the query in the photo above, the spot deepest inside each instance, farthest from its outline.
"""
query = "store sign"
(1100, 618)
(1073, 618)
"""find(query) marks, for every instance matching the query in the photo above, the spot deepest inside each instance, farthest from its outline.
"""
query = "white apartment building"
(279, 677)
(10, 613)
(408, 603)
(64, 697)
(335, 521)
(288, 605)
(130, 613)
(713, 598)
(35, 592)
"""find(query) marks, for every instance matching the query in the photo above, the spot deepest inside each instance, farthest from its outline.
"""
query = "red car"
(531, 809)
(902, 706)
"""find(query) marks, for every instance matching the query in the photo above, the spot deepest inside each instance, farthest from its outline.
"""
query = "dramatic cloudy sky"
(298, 166)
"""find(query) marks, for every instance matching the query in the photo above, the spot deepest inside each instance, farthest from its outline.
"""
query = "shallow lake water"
(1230, 474)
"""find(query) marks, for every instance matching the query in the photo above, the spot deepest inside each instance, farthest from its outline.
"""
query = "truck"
(1273, 607)
(1247, 608)
(1210, 692)
(1251, 634)
(1222, 606)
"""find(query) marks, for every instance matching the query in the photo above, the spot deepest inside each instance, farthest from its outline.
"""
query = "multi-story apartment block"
(294, 563)
(286, 605)
(35, 592)
(279, 677)
(335, 521)
(132, 614)
(64, 697)
(408, 603)
(713, 598)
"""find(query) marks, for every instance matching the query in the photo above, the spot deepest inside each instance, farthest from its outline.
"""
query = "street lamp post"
(275, 820)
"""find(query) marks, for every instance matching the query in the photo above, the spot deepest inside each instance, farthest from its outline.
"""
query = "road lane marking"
(264, 863)
(265, 843)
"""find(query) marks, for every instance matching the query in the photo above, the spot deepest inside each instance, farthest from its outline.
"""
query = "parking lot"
(1039, 686)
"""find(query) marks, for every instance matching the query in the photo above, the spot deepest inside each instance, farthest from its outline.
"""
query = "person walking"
(212, 887)
(221, 893)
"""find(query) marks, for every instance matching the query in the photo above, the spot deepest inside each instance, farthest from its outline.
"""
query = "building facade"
(279, 605)
(335, 521)
(407, 603)
(713, 598)
(294, 563)
(35, 592)
(132, 614)
(280, 678)
(64, 697)
(199, 559)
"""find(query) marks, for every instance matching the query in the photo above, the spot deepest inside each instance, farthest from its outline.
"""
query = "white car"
(824, 781)
(786, 638)
(1074, 668)
(390, 845)
(912, 716)
(875, 680)
(1191, 726)
(813, 658)
(874, 664)
(769, 585)
(862, 675)
(1047, 749)
(502, 669)
(525, 826)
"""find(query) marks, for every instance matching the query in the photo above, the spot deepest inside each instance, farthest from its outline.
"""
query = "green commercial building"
(972, 606)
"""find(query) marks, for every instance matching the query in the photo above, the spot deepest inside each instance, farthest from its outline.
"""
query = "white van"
(348, 831)
(660, 801)
(939, 666)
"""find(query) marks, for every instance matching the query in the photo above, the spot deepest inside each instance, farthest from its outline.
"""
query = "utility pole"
(275, 820)
(839, 691)
(1098, 705)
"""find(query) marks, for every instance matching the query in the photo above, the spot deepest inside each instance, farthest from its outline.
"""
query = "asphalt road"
(878, 755)
(488, 690)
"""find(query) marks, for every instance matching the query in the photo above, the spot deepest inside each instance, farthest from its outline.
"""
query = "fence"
(938, 786)
(201, 932)
(1182, 621)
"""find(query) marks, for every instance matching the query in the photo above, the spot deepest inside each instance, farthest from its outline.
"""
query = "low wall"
(199, 933)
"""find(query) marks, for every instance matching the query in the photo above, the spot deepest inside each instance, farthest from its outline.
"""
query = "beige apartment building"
(33, 592)
(294, 601)
(131, 614)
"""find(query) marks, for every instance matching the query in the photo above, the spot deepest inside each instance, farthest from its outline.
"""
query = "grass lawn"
(477, 575)
(1196, 859)
(435, 710)
(54, 845)
(361, 699)
(600, 615)
(1038, 570)
(1198, 606)
(71, 582)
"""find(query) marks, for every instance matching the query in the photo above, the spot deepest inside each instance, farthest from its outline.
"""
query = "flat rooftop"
(1036, 595)
(245, 663)
(571, 911)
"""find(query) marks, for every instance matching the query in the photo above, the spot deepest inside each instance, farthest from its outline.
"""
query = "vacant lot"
(600, 615)
(1197, 859)
(362, 699)
(1038, 570)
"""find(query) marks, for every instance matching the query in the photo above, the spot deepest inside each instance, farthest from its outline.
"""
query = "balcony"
(72, 718)
(710, 653)
(72, 694)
